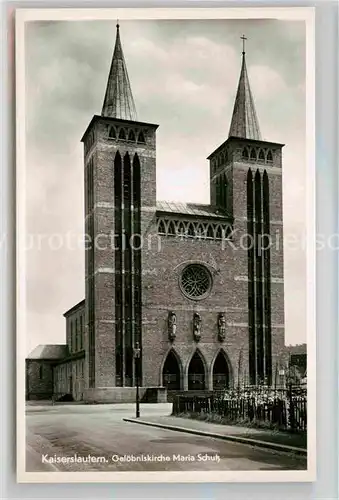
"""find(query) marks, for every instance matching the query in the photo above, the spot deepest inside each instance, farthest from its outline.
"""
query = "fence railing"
(283, 408)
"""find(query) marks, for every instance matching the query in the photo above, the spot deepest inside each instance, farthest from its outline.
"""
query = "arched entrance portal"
(196, 373)
(171, 372)
(221, 377)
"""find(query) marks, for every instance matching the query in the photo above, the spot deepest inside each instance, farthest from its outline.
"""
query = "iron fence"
(283, 408)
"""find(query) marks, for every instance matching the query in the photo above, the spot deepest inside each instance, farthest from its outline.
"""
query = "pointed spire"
(118, 102)
(244, 120)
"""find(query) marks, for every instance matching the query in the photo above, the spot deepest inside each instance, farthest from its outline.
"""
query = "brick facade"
(185, 283)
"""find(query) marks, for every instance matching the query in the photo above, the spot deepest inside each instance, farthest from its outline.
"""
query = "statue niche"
(172, 325)
(221, 327)
(196, 326)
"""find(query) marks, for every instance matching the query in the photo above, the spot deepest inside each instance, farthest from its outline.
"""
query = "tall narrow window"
(251, 279)
(259, 277)
(71, 336)
(225, 200)
(267, 280)
(137, 256)
(218, 192)
(81, 332)
(90, 254)
(76, 335)
(128, 271)
(118, 288)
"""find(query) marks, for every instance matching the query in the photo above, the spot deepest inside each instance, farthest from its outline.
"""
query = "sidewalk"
(276, 440)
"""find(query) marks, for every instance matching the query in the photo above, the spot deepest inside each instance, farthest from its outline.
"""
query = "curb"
(253, 442)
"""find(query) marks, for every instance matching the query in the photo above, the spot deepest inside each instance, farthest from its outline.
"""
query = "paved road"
(94, 438)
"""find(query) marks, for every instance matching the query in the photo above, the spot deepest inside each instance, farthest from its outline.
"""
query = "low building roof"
(77, 306)
(49, 351)
(194, 209)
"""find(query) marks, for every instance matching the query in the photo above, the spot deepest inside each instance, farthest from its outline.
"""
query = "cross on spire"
(243, 38)
(244, 122)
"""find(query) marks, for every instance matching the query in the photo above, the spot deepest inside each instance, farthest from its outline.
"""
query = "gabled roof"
(193, 209)
(118, 102)
(49, 351)
(244, 122)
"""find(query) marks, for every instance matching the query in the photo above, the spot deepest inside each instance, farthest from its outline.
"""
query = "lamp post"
(137, 373)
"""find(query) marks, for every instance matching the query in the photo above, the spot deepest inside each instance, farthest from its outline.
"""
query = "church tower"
(120, 194)
(246, 183)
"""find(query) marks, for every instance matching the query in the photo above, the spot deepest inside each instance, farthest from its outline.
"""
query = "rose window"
(195, 281)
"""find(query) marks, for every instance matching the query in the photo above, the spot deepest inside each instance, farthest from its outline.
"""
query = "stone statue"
(196, 326)
(221, 326)
(172, 325)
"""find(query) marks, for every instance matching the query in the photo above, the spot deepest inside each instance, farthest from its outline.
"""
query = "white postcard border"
(306, 14)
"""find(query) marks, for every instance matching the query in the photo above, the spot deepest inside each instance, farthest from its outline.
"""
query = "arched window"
(228, 231)
(181, 228)
(200, 231)
(245, 154)
(225, 191)
(226, 156)
(112, 133)
(196, 372)
(171, 228)
(122, 134)
(190, 229)
(131, 136)
(253, 154)
(218, 192)
(141, 137)
(261, 155)
(210, 233)
(269, 156)
(171, 372)
(221, 374)
(161, 227)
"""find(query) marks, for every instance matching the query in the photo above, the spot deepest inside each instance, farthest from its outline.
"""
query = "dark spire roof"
(244, 120)
(118, 102)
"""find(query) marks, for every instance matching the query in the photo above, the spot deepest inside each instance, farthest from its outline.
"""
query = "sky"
(184, 77)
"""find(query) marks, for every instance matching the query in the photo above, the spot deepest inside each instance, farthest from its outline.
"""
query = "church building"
(197, 291)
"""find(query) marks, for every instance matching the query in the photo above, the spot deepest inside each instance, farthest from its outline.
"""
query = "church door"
(220, 373)
(196, 373)
(171, 372)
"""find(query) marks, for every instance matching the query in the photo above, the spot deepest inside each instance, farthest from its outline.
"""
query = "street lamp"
(137, 373)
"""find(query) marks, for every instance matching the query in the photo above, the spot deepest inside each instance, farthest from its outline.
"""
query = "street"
(95, 438)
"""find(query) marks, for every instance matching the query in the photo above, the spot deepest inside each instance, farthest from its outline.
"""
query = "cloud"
(266, 82)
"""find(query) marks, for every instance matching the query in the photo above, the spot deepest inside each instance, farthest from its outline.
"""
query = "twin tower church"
(198, 288)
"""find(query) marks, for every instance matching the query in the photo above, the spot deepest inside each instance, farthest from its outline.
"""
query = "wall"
(39, 379)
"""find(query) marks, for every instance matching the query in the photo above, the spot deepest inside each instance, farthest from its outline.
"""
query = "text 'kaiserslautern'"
(148, 457)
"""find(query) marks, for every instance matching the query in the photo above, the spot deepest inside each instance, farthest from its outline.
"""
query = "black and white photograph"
(165, 284)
